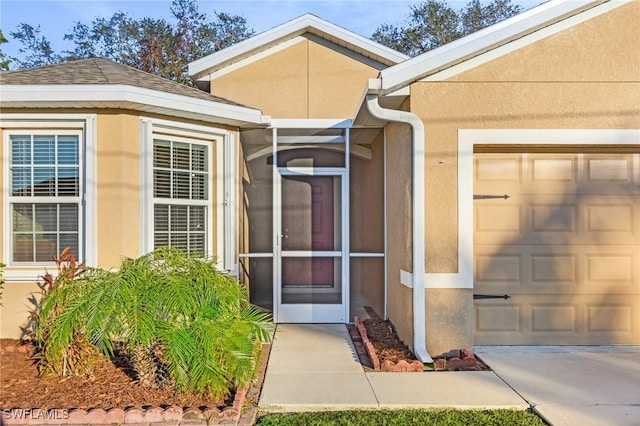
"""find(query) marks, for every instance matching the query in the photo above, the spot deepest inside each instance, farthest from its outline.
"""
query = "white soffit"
(125, 96)
(303, 24)
(507, 35)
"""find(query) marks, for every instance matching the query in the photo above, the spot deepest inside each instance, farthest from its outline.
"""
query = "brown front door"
(308, 224)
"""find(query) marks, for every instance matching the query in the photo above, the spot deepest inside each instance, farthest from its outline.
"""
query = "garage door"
(565, 246)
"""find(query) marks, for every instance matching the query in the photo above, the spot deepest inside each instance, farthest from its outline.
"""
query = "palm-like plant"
(168, 309)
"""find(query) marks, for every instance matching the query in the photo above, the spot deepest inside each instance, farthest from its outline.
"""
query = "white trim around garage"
(467, 139)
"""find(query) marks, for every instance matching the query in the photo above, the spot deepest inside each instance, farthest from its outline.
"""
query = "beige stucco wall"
(585, 77)
(309, 79)
(118, 187)
(605, 48)
(367, 227)
(118, 199)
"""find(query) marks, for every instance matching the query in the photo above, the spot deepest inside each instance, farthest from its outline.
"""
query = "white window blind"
(45, 195)
(180, 194)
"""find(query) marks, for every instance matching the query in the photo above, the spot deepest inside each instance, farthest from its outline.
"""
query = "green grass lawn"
(403, 418)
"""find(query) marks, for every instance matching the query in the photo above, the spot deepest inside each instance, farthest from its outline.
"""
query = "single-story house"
(332, 174)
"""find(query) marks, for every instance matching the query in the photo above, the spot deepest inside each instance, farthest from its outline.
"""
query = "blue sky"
(58, 17)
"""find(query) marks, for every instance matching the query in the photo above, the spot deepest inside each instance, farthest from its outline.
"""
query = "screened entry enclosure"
(312, 225)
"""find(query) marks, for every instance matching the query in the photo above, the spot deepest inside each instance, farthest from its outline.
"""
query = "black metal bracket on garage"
(490, 296)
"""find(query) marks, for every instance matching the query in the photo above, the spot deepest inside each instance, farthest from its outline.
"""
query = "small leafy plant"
(180, 321)
(80, 355)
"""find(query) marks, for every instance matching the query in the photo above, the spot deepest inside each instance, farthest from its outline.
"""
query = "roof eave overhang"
(393, 100)
(305, 24)
(128, 97)
(458, 51)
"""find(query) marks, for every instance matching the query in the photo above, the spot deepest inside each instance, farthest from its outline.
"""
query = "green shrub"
(173, 313)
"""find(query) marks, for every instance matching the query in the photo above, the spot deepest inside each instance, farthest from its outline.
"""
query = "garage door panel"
(557, 220)
(605, 270)
(580, 269)
(515, 173)
(558, 319)
(611, 220)
(492, 168)
(498, 318)
(500, 268)
(607, 169)
(548, 171)
(565, 246)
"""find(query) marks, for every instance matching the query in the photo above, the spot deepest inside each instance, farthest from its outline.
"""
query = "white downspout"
(417, 127)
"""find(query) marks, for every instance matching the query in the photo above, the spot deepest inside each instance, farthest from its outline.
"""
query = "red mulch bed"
(20, 387)
(385, 341)
(388, 347)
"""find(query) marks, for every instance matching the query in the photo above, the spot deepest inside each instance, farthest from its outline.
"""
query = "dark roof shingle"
(102, 71)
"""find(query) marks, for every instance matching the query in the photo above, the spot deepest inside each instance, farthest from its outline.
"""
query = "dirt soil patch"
(386, 342)
(20, 387)
(394, 355)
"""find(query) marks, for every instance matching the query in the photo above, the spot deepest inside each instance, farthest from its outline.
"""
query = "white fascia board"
(482, 41)
(290, 29)
(313, 123)
(119, 95)
(521, 42)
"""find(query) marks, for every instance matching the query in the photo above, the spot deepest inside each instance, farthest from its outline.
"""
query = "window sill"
(26, 274)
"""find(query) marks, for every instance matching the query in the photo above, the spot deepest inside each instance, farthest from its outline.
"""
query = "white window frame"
(84, 125)
(219, 175)
(189, 202)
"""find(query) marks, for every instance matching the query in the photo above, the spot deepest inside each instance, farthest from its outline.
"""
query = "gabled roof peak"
(547, 17)
(307, 23)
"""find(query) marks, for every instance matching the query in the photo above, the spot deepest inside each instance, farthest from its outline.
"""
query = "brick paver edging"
(152, 416)
(400, 366)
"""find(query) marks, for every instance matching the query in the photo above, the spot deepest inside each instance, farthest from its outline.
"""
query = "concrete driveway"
(572, 385)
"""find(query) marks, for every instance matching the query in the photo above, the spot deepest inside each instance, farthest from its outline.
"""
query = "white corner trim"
(467, 139)
(91, 191)
(146, 185)
(218, 193)
(406, 278)
(229, 205)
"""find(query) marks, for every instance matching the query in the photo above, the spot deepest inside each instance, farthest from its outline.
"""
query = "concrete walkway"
(315, 367)
(573, 385)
